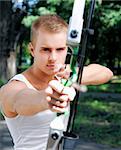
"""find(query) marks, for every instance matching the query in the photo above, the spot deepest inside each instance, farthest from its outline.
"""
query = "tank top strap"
(22, 78)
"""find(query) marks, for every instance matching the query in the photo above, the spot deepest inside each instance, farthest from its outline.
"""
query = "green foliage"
(105, 44)
(26, 52)
(22, 68)
(27, 21)
(25, 58)
(110, 88)
(2, 82)
(44, 10)
(54, 2)
(60, 7)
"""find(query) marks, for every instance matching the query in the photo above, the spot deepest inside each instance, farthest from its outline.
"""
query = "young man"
(30, 99)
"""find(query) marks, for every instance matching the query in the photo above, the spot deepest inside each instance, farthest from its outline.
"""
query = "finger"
(51, 104)
(63, 74)
(59, 67)
(49, 90)
(81, 88)
(70, 91)
(59, 97)
(62, 68)
(53, 94)
(48, 98)
(56, 85)
(64, 98)
(57, 109)
(58, 103)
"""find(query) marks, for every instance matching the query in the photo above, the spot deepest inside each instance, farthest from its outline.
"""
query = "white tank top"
(30, 132)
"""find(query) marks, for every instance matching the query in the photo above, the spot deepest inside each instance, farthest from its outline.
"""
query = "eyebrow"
(52, 48)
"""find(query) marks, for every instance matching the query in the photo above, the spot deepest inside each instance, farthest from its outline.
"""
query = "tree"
(5, 44)
(10, 31)
(105, 47)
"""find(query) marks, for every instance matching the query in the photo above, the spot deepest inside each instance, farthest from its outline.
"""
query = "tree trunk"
(7, 66)
(7, 56)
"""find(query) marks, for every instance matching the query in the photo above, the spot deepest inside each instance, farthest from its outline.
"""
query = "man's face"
(50, 51)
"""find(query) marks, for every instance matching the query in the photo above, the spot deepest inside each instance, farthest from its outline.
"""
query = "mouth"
(55, 67)
(51, 65)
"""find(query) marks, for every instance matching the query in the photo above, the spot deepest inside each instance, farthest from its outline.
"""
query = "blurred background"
(98, 116)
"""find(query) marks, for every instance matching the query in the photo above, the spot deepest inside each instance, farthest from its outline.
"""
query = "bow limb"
(73, 40)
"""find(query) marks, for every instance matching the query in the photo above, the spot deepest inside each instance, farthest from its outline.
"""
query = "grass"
(99, 121)
(110, 87)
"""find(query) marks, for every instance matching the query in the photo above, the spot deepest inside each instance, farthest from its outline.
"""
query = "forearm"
(29, 102)
(95, 74)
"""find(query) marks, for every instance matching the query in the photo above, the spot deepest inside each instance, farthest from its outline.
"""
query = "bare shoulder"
(12, 88)
(7, 94)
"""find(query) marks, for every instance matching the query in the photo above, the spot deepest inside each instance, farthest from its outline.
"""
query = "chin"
(51, 73)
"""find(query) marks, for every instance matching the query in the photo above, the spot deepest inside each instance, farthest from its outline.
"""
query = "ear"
(31, 49)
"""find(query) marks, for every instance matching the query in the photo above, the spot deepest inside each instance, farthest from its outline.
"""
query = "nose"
(53, 56)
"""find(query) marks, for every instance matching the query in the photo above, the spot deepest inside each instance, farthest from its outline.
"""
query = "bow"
(62, 126)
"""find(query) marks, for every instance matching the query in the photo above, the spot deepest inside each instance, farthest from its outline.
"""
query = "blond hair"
(50, 23)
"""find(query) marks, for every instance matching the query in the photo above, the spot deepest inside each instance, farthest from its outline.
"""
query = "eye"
(61, 49)
(45, 49)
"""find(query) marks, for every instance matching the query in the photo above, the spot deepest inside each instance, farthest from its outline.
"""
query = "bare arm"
(16, 98)
(95, 74)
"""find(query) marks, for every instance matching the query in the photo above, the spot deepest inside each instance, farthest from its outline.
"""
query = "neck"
(37, 76)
